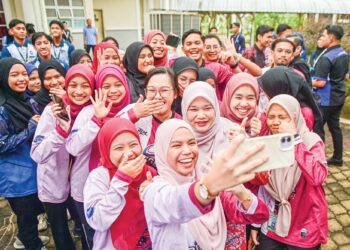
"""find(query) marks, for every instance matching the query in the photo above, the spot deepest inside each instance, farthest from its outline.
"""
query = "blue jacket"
(17, 169)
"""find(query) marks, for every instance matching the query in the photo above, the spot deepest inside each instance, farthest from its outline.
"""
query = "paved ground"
(337, 190)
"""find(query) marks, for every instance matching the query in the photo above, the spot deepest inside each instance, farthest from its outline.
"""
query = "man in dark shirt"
(298, 62)
(256, 53)
(329, 81)
(238, 38)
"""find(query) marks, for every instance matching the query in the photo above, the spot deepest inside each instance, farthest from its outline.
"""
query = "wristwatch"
(204, 192)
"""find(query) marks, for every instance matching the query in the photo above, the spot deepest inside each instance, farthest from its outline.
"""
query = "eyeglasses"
(163, 92)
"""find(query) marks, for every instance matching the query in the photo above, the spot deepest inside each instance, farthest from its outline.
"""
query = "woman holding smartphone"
(295, 195)
(186, 208)
(48, 150)
(157, 40)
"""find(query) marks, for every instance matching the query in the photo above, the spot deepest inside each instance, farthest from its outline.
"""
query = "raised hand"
(235, 131)
(255, 125)
(288, 126)
(229, 170)
(56, 110)
(58, 92)
(133, 167)
(101, 111)
(148, 107)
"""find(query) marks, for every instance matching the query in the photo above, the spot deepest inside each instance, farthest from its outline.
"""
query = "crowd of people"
(140, 145)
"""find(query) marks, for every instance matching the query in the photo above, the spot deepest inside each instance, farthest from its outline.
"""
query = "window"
(71, 11)
(176, 23)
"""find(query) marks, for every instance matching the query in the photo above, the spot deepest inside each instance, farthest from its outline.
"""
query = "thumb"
(255, 240)
(244, 123)
(140, 99)
(149, 176)
(258, 116)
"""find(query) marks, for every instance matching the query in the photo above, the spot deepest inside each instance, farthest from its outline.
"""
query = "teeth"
(186, 160)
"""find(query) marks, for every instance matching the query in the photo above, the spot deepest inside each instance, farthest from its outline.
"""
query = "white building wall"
(121, 20)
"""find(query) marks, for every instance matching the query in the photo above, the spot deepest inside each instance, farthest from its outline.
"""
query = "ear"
(259, 37)
(10, 32)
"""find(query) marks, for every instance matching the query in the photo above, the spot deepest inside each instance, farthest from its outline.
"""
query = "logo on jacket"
(38, 139)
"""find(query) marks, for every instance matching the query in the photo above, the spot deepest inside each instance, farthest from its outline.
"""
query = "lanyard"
(316, 60)
(25, 59)
(55, 53)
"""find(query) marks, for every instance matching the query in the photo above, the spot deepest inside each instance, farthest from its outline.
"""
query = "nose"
(186, 149)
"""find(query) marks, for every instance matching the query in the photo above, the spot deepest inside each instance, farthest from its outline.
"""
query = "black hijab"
(76, 56)
(135, 77)
(42, 97)
(283, 80)
(205, 74)
(17, 104)
(179, 65)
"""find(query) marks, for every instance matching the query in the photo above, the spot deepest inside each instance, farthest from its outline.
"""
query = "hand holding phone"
(172, 40)
(63, 114)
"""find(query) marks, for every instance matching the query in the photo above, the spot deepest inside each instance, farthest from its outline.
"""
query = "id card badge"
(271, 224)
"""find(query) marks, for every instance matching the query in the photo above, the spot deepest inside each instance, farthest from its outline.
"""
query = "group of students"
(143, 148)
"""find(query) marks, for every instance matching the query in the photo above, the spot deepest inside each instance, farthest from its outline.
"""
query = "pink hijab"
(282, 182)
(209, 230)
(101, 74)
(147, 39)
(215, 139)
(237, 81)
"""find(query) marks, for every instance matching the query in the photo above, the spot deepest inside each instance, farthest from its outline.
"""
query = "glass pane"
(51, 13)
(63, 2)
(68, 21)
(50, 2)
(195, 22)
(79, 23)
(65, 13)
(1, 7)
(165, 19)
(77, 3)
(78, 13)
(176, 24)
(186, 23)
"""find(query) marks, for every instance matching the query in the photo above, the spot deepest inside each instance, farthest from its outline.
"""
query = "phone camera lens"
(288, 139)
(283, 140)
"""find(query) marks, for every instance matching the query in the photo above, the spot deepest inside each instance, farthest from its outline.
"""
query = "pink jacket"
(48, 150)
(222, 74)
(79, 143)
(309, 214)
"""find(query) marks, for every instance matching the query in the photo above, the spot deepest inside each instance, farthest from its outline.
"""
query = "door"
(99, 24)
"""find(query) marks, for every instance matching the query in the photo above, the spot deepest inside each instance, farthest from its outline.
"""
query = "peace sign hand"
(101, 111)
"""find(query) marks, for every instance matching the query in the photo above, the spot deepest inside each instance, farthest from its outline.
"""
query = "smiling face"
(114, 88)
(43, 47)
(186, 77)
(159, 87)
(183, 152)
(79, 90)
(125, 143)
(243, 102)
(275, 116)
(53, 79)
(34, 82)
(193, 47)
(266, 39)
(18, 78)
(158, 45)
(212, 49)
(109, 56)
(145, 61)
(201, 114)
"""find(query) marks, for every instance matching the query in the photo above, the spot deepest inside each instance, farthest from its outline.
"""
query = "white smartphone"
(279, 148)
